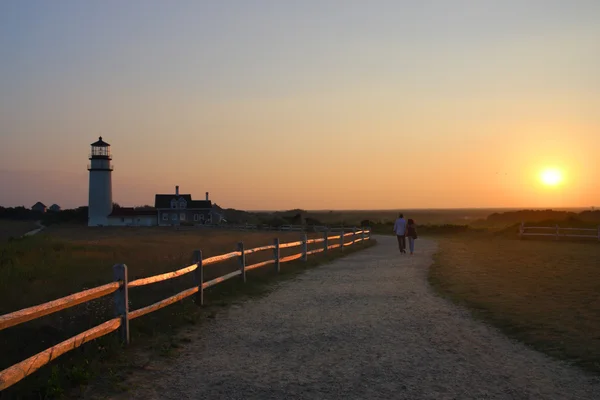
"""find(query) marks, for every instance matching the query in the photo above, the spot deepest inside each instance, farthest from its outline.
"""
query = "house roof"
(200, 204)
(164, 201)
(39, 204)
(54, 206)
(130, 212)
(100, 143)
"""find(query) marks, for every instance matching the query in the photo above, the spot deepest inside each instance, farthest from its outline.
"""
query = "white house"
(128, 216)
(177, 208)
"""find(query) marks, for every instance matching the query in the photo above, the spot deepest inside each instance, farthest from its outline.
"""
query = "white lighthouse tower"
(100, 200)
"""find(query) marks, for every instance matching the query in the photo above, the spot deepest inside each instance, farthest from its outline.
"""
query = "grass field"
(63, 260)
(15, 229)
(544, 293)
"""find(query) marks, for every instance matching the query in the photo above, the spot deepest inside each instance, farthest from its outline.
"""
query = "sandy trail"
(363, 327)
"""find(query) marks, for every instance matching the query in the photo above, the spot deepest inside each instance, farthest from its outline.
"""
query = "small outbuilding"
(39, 207)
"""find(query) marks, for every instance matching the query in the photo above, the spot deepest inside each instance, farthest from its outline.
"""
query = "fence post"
(342, 240)
(522, 229)
(277, 255)
(353, 236)
(556, 231)
(242, 260)
(122, 300)
(325, 244)
(362, 235)
(199, 277)
(304, 248)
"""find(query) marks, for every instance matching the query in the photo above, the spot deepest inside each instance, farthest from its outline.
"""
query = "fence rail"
(120, 288)
(557, 232)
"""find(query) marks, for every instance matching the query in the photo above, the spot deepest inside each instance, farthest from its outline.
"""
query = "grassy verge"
(15, 229)
(545, 294)
(62, 261)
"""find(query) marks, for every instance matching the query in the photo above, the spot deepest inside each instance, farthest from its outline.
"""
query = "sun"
(551, 177)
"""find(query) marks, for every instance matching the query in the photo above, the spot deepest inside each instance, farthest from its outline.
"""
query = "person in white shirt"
(400, 231)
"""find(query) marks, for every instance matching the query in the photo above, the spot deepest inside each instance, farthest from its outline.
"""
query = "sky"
(322, 104)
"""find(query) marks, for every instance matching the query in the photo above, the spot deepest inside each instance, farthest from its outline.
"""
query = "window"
(182, 216)
(173, 203)
(174, 217)
(201, 217)
(122, 219)
(165, 217)
(182, 203)
(196, 217)
(209, 220)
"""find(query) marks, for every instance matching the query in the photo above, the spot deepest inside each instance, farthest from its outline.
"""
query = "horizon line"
(422, 209)
(373, 209)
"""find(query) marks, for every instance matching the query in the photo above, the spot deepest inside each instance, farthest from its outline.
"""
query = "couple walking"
(403, 229)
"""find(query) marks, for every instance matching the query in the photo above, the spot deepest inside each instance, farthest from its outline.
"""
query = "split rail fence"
(557, 232)
(120, 288)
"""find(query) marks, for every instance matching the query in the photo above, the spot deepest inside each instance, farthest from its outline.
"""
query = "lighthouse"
(100, 194)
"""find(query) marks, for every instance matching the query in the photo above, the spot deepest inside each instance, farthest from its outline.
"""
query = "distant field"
(546, 294)
(424, 230)
(66, 259)
(15, 229)
(458, 216)
(489, 218)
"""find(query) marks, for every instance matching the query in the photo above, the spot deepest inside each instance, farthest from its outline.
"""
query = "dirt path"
(364, 327)
(40, 227)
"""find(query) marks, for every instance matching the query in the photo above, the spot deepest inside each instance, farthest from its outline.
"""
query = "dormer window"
(174, 203)
(182, 203)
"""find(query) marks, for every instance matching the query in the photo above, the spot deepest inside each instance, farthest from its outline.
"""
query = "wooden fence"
(557, 232)
(120, 288)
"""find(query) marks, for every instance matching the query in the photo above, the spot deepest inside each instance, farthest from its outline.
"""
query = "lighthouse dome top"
(100, 150)
(100, 143)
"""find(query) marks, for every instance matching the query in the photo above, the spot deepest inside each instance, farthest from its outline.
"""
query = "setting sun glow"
(488, 104)
(551, 177)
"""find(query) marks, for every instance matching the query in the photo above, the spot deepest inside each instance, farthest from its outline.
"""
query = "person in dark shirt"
(400, 231)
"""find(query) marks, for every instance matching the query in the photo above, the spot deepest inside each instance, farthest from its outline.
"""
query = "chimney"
(177, 190)
(206, 196)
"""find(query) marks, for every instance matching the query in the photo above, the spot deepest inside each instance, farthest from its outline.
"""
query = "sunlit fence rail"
(121, 285)
(557, 232)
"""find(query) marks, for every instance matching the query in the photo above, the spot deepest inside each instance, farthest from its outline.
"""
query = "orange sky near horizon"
(301, 106)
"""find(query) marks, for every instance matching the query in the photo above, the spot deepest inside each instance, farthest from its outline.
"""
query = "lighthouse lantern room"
(100, 191)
